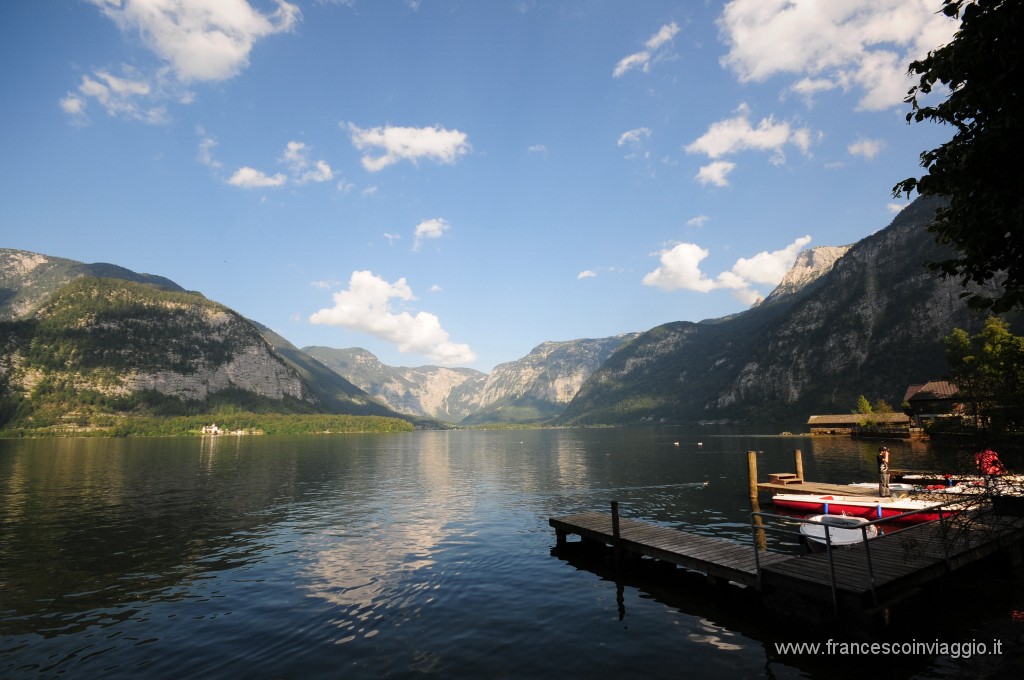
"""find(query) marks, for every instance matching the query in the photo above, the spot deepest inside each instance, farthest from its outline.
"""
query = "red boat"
(862, 506)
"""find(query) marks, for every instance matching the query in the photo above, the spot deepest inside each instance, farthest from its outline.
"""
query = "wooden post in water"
(616, 550)
(754, 506)
(799, 460)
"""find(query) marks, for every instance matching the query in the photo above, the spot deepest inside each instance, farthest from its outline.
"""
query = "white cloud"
(769, 267)
(828, 45)
(205, 153)
(698, 221)
(895, 207)
(120, 97)
(407, 143)
(366, 307)
(634, 136)
(73, 105)
(250, 178)
(868, 148)
(433, 228)
(538, 148)
(296, 156)
(642, 60)
(680, 269)
(585, 274)
(736, 134)
(716, 173)
(196, 41)
(199, 39)
(300, 169)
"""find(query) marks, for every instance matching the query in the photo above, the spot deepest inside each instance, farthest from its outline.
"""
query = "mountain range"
(845, 321)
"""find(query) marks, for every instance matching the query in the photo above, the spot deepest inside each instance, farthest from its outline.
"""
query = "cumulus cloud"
(680, 269)
(698, 221)
(196, 41)
(407, 143)
(736, 134)
(651, 53)
(586, 274)
(829, 45)
(429, 229)
(634, 136)
(868, 148)
(716, 173)
(130, 97)
(365, 306)
(251, 178)
(296, 157)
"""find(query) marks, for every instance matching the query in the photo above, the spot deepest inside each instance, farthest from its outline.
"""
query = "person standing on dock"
(883, 472)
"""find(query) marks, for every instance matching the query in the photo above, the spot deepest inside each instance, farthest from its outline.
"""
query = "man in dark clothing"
(883, 472)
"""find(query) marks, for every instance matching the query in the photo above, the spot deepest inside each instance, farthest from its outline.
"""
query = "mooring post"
(616, 549)
(754, 506)
(799, 460)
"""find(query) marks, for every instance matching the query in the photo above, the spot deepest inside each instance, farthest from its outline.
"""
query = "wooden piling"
(616, 540)
(798, 459)
(754, 506)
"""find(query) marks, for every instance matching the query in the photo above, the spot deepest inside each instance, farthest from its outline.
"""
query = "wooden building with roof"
(845, 423)
(933, 399)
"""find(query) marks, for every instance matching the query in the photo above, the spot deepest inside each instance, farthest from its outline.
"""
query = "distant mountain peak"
(810, 265)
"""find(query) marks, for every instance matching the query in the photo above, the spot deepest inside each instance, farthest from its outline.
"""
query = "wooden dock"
(716, 557)
(888, 568)
(854, 580)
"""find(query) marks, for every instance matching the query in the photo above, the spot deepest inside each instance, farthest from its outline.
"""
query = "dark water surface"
(414, 555)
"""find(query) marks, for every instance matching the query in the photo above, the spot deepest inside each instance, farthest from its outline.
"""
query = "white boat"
(843, 530)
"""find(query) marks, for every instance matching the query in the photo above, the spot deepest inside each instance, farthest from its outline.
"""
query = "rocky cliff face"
(427, 391)
(538, 385)
(810, 265)
(115, 338)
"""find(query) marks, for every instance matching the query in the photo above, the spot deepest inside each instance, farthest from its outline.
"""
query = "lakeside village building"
(928, 401)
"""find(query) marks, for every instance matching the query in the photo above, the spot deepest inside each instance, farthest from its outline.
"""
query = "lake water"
(414, 555)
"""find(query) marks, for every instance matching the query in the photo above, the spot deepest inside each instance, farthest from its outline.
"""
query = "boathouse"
(845, 423)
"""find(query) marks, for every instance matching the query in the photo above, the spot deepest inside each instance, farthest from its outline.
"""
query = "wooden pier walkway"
(715, 557)
(849, 580)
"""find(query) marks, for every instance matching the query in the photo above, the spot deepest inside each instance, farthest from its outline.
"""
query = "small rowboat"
(870, 507)
(843, 530)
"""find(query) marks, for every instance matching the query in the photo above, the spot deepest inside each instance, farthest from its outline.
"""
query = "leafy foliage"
(979, 169)
(988, 369)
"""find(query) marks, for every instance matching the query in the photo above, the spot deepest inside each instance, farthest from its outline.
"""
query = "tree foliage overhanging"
(979, 169)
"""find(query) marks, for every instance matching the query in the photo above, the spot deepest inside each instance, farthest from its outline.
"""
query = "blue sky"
(453, 182)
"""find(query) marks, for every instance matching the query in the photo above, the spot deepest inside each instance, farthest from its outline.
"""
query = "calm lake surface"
(416, 555)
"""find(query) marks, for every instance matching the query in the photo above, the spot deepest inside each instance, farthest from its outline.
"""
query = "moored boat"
(842, 531)
(870, 507)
